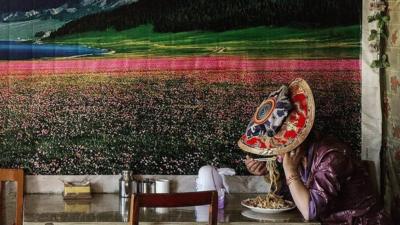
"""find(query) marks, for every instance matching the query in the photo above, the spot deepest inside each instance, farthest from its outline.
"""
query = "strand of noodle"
(273, 176)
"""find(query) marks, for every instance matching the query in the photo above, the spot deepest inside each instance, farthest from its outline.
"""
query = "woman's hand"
(255, 167)
(291, 161)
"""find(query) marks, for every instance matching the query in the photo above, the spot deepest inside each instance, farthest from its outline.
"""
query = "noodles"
(273, 177)
(271, 200)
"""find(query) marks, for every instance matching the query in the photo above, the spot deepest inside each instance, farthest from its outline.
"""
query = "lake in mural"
(13, 50)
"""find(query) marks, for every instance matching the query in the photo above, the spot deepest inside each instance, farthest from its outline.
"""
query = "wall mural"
(165, 86)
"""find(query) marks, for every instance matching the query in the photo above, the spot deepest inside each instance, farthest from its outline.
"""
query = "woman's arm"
(299, 192)
(324, 187)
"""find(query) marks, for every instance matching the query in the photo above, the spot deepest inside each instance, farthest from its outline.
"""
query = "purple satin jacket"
(340, 188)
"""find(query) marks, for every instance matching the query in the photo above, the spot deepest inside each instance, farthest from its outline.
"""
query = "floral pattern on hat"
(290, 129)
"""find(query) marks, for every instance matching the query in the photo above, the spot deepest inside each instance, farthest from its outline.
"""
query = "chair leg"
(2, 198)
(1, 190)
(213, 209)
(134, 211)
(16, 175)
(20, 200)
(20, 203)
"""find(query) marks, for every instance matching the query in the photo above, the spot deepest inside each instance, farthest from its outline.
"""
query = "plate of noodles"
(269, 203)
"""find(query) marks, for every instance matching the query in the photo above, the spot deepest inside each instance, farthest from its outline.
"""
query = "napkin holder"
(77, 191)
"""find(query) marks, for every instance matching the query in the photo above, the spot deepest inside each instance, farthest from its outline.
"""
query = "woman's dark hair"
(312, 136)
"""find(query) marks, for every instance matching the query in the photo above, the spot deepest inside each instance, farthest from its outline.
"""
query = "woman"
(325, 183)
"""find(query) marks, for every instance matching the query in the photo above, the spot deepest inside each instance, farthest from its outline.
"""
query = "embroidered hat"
(282, 121)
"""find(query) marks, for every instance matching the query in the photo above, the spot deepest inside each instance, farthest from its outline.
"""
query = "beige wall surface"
(383, 117)
(371, 116)
(391, 114)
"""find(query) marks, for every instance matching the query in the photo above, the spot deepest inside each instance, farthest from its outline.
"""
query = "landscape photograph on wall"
(165, 86)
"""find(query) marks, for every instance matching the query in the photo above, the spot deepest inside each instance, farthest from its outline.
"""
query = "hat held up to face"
(282, 121)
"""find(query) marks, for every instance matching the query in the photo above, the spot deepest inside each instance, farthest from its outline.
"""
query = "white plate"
(274, 217)
(266, 210)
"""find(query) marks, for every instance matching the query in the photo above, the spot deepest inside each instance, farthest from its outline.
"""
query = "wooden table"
(109, 209)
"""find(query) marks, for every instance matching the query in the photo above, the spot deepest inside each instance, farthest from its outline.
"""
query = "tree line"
(220, 15)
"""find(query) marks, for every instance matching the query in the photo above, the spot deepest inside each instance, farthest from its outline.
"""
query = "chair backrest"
(16, 175)
(174, 200)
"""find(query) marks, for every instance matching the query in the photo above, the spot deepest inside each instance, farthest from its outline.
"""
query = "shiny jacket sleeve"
(328, 171)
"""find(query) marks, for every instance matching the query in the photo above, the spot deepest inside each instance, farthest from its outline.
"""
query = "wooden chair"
(16, 175)
(174, 200)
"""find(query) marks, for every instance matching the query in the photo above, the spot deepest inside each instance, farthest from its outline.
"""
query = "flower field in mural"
(156, 115)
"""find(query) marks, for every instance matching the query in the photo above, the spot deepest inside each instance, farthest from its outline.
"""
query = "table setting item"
(246, 203)
(146, 186)
(162, 186)
(273, 217)
(127, 185)
(77, 190)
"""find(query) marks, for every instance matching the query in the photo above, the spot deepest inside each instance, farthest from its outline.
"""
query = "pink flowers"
(122, 66)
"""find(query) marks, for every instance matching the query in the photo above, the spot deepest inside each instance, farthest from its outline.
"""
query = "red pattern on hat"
(294, 126)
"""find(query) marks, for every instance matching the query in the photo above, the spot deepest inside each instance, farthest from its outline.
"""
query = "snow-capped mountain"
(100, 3)
(55, 11)
(21, 16)
(68, 11)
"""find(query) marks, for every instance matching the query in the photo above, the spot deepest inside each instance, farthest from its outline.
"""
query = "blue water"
(14, 50)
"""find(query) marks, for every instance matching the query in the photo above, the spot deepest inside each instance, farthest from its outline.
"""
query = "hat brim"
(295, 129)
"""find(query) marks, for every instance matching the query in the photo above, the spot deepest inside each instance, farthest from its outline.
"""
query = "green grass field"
(267, 42)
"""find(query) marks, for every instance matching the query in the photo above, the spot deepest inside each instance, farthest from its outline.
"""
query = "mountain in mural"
(183, 15)
(27, 20)
(68, 11)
